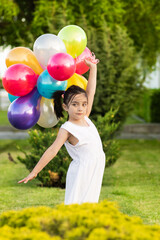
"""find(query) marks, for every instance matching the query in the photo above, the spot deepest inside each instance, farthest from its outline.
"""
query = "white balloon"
(47, 117)
(46, 46)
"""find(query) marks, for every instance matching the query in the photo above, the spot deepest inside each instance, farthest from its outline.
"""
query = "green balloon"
(74, 38)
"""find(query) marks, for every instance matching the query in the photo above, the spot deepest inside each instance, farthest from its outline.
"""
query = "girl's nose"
(80, 108)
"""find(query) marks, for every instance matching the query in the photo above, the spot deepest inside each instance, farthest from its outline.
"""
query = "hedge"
(98, 221)
(154, 106)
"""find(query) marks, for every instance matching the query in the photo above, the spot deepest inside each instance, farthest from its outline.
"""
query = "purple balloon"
(24, 112)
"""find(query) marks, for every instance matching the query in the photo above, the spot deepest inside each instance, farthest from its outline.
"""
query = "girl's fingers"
(87, 62)
(30, 177)
(87, 59)
(23, 180)
(90, 61)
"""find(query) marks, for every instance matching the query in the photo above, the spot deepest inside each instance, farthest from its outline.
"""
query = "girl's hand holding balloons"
(90, 63)
(31, 176)
(91, 60)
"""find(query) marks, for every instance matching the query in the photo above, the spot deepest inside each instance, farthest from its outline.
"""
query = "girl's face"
(77, 108)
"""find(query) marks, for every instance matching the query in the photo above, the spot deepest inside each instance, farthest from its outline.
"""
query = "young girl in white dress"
(82, 141)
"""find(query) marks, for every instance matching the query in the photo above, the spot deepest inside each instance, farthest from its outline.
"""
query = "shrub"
(118, 83)
(142, 106)
(75, 222)
(154, 106)
(147, 106)
(54, 174)
(107, 127)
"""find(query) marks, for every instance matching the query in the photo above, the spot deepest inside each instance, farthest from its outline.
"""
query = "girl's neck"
(80, 122)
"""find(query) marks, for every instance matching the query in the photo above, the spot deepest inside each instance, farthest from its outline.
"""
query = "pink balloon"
(19, 79)
(81, 67)
(61, 66)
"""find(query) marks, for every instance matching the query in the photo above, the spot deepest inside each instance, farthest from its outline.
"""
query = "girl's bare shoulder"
(64, 129)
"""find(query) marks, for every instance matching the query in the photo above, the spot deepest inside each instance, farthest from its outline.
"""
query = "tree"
(15, 16)
(21, 22)
(31, 19)
(142, 20)
(118, 77)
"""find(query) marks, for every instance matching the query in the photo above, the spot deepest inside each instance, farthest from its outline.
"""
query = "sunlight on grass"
(133, 181)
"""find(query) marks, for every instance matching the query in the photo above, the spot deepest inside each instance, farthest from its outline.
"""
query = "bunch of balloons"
(32, 77)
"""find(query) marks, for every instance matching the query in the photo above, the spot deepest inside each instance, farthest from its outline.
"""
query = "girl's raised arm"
(91, 85)
(48, 155)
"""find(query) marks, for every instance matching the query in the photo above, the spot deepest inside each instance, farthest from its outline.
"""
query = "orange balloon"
(25, 56)
(78, 80)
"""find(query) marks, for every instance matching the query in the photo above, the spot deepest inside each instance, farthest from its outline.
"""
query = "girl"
(82, 141)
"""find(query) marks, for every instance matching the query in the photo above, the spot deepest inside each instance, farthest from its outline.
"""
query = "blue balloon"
(47, 85)
(12, 97)
(24, 112)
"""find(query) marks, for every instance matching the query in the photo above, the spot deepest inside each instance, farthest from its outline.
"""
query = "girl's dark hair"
(68, 96)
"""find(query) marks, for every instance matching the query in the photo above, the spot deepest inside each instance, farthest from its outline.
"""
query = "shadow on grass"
(11, 145)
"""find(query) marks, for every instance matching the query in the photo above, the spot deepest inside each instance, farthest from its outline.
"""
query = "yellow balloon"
(74, 38)
(77, 80)
(47, 117)
(25, 56)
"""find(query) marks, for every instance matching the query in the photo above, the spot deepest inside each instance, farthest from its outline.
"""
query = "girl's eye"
(74, 104)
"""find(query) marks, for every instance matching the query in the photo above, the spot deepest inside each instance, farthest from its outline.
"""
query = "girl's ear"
(64, 107)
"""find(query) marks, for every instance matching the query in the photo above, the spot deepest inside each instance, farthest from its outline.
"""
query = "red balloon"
(81, 67)
(19, 79)
(61, 66)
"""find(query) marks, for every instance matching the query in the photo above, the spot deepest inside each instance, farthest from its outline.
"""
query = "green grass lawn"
(133, 181)
(3, 118)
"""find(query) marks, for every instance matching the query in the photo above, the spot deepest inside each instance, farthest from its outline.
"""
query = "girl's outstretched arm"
(48, 155)
(91, 85)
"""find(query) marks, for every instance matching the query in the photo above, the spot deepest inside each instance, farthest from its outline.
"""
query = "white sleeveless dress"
(85, 172)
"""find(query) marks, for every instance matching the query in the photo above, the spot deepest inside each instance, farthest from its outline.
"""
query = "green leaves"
(107, 128)
(8, 10)
(154, 106)
(22, 22)
(54, 174)
(75, 222)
